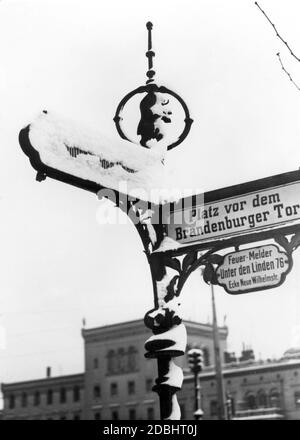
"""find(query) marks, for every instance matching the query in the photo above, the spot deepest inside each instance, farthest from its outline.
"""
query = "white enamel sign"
(234, 216)
(253, 269)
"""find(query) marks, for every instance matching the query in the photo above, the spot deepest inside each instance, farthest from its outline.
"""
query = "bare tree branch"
(277, 33)
(287, 73)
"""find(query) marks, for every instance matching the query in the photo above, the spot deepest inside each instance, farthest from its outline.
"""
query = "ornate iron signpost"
(178, 237)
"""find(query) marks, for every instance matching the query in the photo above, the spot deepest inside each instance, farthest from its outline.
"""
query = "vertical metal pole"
(197, 390)
(165, 394)
(198, 411)
(150, 54)
(167, 342)
(229, 406)
(218, 366)
(163, 363)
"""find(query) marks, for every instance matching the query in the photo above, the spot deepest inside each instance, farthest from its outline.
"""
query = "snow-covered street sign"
(64, 150)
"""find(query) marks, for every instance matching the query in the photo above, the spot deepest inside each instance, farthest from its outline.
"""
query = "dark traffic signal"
(195, 358)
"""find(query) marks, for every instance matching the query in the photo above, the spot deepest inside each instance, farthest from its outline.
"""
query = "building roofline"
(249, 369)
(208, 328)
(112, 326)
(46, 381)
(139, 323)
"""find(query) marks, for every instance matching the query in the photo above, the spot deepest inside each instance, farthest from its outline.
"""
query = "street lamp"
(195, 359)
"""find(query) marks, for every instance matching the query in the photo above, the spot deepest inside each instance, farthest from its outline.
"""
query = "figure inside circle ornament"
(155, 113)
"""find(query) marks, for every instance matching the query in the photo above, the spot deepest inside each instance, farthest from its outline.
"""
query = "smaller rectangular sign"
(253, 269)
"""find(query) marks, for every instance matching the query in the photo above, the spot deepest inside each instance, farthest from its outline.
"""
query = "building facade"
(57, 398)
(118, 377)
(117, 381)
(255, 390)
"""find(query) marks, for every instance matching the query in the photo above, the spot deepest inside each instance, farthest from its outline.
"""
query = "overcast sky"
(79, 58)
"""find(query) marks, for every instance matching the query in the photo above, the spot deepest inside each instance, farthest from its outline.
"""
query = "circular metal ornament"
(153, 88)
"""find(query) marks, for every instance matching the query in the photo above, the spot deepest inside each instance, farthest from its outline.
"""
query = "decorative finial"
(150, 54)
(154, 111)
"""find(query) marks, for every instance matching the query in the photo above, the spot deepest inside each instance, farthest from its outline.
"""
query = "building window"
(121, 366)
(76, 417)
(11, 401)
(250, 401)
(275, 398)
(132, 414)
(297, 399)
(63, 418)
(76, 393)
(295, 373)
(63, 395)
(97, 416)
(96, 363)
(213, 408)
(49, 397)
(131, 387)
(37, 398)
(132, 359)
(149, 384)
(150, 413)
(262, 399)
(261, 378)
(115, 415)
(24, 399)
(113, 389)
(111, 362)
(206, 356)
(97, 392)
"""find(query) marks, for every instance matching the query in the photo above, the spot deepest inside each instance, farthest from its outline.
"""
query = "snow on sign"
(85, 157)
(254, 207)
(253, 269)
